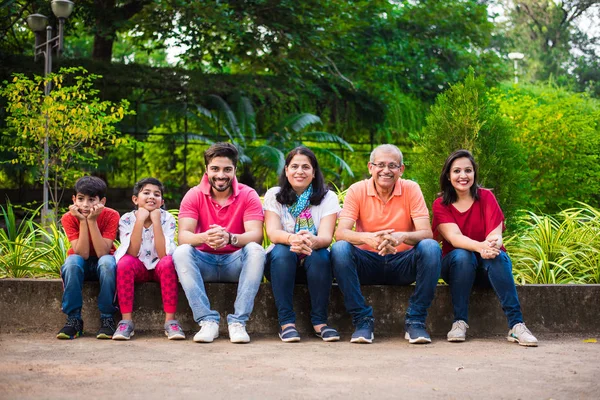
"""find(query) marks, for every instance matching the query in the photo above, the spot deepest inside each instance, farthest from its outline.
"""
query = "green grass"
(559, 249)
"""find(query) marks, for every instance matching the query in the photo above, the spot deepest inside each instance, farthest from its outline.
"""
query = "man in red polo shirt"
(392, 245)
(220, 236)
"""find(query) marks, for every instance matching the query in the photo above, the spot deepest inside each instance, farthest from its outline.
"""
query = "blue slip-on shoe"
(289, 334)
(328, 334)
(416, 333)
(364, 331)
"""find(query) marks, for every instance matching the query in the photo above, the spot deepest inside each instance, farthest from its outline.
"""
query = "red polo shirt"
(243, 205)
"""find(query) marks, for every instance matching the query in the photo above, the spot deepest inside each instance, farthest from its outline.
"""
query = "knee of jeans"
(73, 262)
(429, 248)
(341, 249)
(107, 264)
(462, 257)
(182, 257)
(320, 258)
(341, 255)
(281, 253)
(501, 261)
(254, 250)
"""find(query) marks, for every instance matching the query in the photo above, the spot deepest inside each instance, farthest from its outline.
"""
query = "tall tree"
(547, 32)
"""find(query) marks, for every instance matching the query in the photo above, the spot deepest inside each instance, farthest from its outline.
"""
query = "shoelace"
(365, 323)
(72, 322)
(108, 323)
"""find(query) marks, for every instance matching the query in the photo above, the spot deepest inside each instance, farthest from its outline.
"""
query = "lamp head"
(62, 8)
(516, 56)
(37, 22)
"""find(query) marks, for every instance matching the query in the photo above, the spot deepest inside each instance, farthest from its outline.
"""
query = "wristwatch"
(233, 239)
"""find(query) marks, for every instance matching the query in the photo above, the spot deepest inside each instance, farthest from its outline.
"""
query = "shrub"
(560, 140)
(464, 117)
(558, 249)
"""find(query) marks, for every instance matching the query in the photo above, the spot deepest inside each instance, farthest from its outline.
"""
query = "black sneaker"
(72, 329)
(107, 328)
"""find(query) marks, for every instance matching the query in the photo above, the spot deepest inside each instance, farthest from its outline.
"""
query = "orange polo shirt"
(363, 206)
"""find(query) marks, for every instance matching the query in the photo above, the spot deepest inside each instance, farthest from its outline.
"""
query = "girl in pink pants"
(147, 242)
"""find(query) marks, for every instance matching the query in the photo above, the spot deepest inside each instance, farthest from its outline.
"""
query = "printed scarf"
(300, 210)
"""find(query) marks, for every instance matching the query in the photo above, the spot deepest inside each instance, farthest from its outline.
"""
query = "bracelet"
(288, 238)
(229, 241)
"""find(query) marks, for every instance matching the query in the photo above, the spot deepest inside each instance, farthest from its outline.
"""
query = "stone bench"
(34, 305)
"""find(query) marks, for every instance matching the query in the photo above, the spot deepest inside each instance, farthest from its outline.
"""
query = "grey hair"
(386, 148)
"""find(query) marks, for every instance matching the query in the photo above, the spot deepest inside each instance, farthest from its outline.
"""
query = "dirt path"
(34, 366)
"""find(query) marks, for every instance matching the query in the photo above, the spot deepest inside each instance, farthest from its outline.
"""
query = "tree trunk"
(105, 34)
(103, 46)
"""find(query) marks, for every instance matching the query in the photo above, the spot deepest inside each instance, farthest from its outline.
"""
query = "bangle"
(288, 238)
(229, 241)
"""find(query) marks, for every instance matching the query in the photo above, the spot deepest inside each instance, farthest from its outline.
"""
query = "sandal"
(289, 334)
(328, 334)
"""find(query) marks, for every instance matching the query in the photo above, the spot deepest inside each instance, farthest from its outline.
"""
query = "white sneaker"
(209, 331)
(520, 334)
(238, 334)
(458, 333)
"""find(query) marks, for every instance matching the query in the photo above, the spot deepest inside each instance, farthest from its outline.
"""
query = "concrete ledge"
(34, 305)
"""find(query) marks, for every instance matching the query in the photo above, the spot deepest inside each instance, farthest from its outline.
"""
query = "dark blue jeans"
(76, 270)
(353, 266)
(284, 269)
(462, 268)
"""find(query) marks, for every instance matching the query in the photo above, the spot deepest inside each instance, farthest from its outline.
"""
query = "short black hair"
(221, 149)
(448, 193)
(139, 186)
(91, 186)
(287, 195)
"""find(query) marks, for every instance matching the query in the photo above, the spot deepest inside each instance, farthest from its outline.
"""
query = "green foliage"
(550, 35)
(559, 137)
(464, 117)
(262, 154)
(20, 255)
(558, 249)
(76, 124)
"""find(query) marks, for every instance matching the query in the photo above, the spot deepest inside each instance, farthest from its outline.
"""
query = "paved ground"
(34, 366)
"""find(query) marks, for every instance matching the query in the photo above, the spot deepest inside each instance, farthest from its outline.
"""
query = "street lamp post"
(37, 23)
(516, 57)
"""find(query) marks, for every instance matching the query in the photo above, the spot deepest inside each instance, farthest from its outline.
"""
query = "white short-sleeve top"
(147, 254)
(329, 205)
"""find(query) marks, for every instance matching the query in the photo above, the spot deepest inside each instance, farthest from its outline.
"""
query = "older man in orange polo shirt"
(391, 245)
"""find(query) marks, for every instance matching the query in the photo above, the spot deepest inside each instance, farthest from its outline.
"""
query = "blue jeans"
(284, 270)
(195, 267)
(353, 266)
(76, 270)
(462, 268)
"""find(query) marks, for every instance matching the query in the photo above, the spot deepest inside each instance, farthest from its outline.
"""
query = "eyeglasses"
(391, 166)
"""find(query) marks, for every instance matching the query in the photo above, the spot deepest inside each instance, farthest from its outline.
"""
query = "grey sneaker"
(237, 333)
(209, 331)
(458, 333)
(520, 334)
(173, 330)
(124, 330)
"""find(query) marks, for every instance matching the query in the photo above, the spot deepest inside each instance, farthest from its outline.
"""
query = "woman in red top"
(470, 222)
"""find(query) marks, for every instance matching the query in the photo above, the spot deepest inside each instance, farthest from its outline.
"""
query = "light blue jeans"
(195, 267)
(76, 270)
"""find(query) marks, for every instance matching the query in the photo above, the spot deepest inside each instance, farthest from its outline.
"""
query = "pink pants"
(130, 270)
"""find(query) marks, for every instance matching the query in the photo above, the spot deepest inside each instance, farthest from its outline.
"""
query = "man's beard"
(220, 189)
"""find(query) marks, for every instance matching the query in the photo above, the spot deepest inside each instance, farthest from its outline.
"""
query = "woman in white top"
(300, 216)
